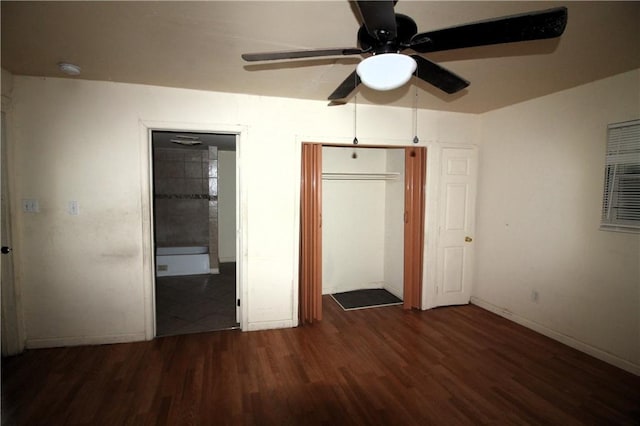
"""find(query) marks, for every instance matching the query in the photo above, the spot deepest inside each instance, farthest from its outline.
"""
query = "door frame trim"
(146, 189)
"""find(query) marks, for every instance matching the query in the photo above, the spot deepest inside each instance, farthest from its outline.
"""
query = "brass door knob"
(468, 239)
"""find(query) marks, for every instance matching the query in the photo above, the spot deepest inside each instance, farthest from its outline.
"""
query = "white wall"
(84, 278)
(394, 225)
(539, 200)
(227, 206)
(353, 224)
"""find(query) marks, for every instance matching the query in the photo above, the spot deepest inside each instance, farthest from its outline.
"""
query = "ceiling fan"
(384, 34)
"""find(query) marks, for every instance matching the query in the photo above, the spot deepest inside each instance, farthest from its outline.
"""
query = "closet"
(361, 223)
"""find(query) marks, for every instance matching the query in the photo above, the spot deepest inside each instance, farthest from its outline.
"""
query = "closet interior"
(363, 211)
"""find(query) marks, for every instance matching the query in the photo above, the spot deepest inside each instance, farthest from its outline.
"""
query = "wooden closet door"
(311, 234)
(414, 198)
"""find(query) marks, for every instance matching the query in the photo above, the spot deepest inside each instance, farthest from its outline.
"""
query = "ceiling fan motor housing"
(380, 41)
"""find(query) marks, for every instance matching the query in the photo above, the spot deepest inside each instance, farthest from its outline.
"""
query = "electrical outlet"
(73, 208)
(535, 296)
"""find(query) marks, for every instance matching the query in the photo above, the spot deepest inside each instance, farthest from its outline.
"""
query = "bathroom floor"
(196, 303)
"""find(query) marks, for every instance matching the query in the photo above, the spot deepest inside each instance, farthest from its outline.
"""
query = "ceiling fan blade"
(522, 27)
(346, 87)
(438, 76)
(379, 18)
(294, 54)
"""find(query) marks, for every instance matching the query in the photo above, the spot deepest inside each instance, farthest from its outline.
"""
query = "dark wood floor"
(459, 365)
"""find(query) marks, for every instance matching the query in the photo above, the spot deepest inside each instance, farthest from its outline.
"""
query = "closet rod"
(360, 176)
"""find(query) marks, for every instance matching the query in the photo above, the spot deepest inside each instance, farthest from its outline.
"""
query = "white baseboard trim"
(562, 338)
(269, 325)
(56, 342)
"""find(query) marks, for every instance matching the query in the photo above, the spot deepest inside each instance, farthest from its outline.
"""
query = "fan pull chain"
(355, 119)
(415, 117)
(355, 125)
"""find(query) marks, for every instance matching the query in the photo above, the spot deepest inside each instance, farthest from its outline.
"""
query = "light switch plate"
(30, 205)
(73, 208)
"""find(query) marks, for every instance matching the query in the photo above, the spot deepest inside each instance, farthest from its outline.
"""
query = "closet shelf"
(360, 176)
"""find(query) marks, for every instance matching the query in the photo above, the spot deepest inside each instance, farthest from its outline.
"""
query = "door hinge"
(238, 302)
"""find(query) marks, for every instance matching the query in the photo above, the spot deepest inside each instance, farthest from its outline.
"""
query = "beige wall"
(539, 200)
(85, 279)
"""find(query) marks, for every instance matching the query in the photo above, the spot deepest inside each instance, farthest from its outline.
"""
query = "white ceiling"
(197, 45)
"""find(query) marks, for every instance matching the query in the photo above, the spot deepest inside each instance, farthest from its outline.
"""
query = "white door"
(457, 189)
(11, 336)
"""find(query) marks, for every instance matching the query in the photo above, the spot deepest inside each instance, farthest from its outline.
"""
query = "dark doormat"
(368, 298)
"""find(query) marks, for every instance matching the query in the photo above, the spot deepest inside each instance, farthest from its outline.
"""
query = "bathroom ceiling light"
(195, 138)
(188, 142)
(69, 69)
(386, 71)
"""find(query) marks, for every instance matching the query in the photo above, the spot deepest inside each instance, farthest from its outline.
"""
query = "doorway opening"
(194, 233)
(362, 224)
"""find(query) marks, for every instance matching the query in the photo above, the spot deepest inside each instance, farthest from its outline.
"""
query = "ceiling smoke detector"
(69, 69)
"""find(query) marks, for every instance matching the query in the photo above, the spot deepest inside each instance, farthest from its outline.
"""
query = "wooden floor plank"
(457, 365)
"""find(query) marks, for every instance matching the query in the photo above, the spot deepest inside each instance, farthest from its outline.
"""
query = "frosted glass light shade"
(69, 69)
(386, 71)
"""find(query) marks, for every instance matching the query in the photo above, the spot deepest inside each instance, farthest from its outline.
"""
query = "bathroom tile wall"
(212, 181)
(182, 194)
